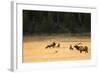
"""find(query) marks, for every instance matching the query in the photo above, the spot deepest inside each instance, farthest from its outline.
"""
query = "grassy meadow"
(34, 48)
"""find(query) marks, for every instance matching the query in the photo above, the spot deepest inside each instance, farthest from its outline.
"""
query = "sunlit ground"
(34, 48)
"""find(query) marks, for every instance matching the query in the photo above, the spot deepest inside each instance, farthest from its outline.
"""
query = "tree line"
(48, 22)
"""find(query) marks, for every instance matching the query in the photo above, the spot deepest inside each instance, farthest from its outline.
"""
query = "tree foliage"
(41, 22)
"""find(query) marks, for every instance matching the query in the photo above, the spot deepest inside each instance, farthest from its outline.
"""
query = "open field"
(34, 48)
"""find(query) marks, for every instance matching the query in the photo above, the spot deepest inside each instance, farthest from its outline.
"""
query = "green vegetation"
(48, 22)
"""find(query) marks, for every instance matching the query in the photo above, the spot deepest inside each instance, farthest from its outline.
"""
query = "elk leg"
(86, 51)
(80, 51)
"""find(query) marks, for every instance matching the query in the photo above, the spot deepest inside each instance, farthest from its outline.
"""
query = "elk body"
(51, 45)
(81, 48)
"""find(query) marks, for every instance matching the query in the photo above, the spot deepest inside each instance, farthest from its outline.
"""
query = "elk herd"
(77, 47)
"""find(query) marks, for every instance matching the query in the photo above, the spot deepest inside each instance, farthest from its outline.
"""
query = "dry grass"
(34, 48)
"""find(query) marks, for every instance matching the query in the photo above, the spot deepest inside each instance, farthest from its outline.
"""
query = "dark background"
(48, 22)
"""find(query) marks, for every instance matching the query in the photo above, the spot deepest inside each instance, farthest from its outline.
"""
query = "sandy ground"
(34, 48)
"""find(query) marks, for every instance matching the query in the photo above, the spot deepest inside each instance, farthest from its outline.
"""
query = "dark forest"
(51, 22)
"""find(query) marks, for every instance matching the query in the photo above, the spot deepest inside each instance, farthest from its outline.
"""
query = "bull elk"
(81, 48)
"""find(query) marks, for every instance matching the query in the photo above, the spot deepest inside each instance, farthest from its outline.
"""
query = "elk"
(58, 45)
(70, 47)
(51, 45)
(81, 48)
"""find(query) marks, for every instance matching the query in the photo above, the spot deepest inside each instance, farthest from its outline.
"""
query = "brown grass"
(34, 48)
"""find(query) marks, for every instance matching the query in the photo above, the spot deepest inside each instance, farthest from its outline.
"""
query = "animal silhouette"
(81, 48)
(51, 45)
(71, 48)
(58, 45)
